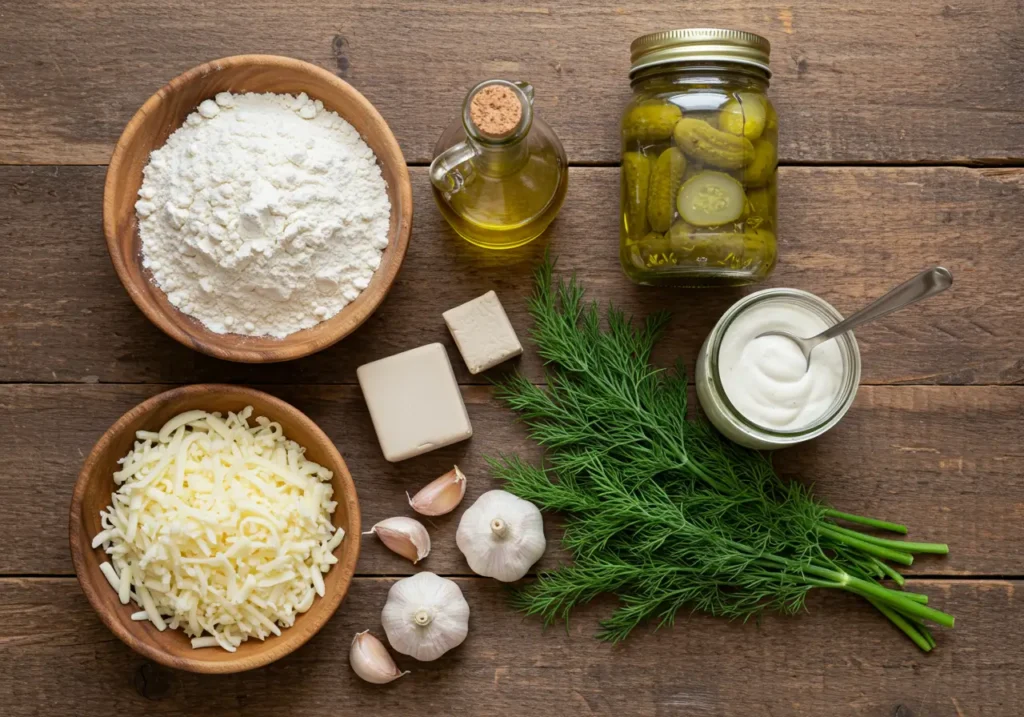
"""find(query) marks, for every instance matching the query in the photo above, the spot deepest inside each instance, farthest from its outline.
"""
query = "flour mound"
(263, 214)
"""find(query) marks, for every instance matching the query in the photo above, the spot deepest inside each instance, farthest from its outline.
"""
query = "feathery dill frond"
(661, 510)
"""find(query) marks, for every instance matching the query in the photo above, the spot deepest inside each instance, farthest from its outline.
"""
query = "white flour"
(263, 214)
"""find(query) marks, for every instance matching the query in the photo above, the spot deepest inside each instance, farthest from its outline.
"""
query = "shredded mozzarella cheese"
(219, 528)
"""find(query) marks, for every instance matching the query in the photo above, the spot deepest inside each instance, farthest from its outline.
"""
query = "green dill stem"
(916, 597)
(908, 628)
(873, 522)
(891, 572)
(893, 598)
(897, 556)
(927, 634)
(904, 545)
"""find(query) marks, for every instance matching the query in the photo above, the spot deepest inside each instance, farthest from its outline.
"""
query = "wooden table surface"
(902, 146)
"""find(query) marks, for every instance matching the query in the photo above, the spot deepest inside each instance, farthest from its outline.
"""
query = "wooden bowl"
(162, 114)
(96, 483)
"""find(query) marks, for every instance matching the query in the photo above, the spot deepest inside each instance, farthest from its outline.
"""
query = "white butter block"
(482, 332)
(414, 401)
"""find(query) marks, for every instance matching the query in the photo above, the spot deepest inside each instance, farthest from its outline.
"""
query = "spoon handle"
(927, 283)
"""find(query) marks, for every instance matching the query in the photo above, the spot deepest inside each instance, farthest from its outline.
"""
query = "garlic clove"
(501, 535)
(425, 616)
(371, 661)
(405, 536)
(441, 495)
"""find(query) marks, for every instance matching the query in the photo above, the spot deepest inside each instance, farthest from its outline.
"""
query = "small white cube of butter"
(414, 402)
(482, 332)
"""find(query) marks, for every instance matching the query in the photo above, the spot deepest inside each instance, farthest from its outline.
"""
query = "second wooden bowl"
(163, 113)
(96, 483)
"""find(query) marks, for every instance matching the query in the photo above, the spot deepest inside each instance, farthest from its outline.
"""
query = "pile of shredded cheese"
(220, 528)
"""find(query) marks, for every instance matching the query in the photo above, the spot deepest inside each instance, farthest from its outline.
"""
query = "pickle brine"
(698, 188)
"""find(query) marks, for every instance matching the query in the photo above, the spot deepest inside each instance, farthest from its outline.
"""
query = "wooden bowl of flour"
(162, 114)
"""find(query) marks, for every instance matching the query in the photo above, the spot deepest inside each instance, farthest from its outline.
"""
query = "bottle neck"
(499, 160)
(686, 74)
(500, 155)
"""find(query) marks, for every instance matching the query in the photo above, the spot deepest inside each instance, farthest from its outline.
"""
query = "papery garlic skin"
(501, 535)
(405, 536)
(425, 616)
(442, 495)
(370, 660)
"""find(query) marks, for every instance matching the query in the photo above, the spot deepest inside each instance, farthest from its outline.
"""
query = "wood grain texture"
(92, 494)
(841, 660)
(847, 235)
(166, 111)
(945, 460)
(919, 80)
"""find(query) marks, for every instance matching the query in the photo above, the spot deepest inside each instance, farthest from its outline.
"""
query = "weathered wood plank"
(841, 659)
(945, 460)
(871, 81)
(847, 235)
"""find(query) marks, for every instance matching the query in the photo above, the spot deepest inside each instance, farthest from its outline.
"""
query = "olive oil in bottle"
(499, 174)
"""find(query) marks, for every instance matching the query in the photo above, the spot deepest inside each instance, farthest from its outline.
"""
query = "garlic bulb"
(441, 495)
(425, 616)
(405, 536)
(501, 536)
(370, 660)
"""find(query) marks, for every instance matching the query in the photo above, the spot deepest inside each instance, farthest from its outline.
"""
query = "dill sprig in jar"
(699, 156)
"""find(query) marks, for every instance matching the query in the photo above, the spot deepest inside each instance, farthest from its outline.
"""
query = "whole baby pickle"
(650, 121)
(760, 242)
(666, 177)
(772, 120)
(712, 146)
(729, 250)
(680, 236)
(636, 180)
(652, 250)
(762, 167)
(746, 114)
(761, 202)
(711, 199)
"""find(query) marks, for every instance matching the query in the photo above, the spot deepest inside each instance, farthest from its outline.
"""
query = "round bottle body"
(500, 193)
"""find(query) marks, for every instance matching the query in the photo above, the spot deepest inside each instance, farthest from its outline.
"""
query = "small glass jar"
(699, 156)
(723, 414)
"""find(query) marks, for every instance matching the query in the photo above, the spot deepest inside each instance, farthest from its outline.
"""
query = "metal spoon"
(927, 283)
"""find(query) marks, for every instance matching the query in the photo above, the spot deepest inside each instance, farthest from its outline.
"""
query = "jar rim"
(848, 348)
(700, 44)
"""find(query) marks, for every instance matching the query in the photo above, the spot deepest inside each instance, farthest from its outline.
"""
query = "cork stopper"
(495, 110)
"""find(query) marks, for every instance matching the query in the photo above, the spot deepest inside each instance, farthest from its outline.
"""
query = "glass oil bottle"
(499, 173)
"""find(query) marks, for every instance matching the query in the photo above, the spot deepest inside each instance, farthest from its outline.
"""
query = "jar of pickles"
(699, 155)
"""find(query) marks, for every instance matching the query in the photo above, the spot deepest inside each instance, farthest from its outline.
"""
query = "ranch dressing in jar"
(758, 391)
(767, 378)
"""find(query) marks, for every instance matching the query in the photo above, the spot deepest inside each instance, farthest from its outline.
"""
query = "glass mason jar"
(699, 154)
(723, 414)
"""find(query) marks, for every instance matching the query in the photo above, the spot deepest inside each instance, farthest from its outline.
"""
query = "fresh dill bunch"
(662, 510)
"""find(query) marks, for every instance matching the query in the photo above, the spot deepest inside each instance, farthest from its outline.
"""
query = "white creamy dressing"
(766, 379)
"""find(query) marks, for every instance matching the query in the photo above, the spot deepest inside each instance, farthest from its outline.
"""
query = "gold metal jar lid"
(699, 44)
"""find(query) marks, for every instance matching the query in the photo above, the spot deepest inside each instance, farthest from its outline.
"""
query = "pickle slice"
(711, 199)
(746, 114)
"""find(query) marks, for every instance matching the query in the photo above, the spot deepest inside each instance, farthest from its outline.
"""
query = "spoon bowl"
(928, 283)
